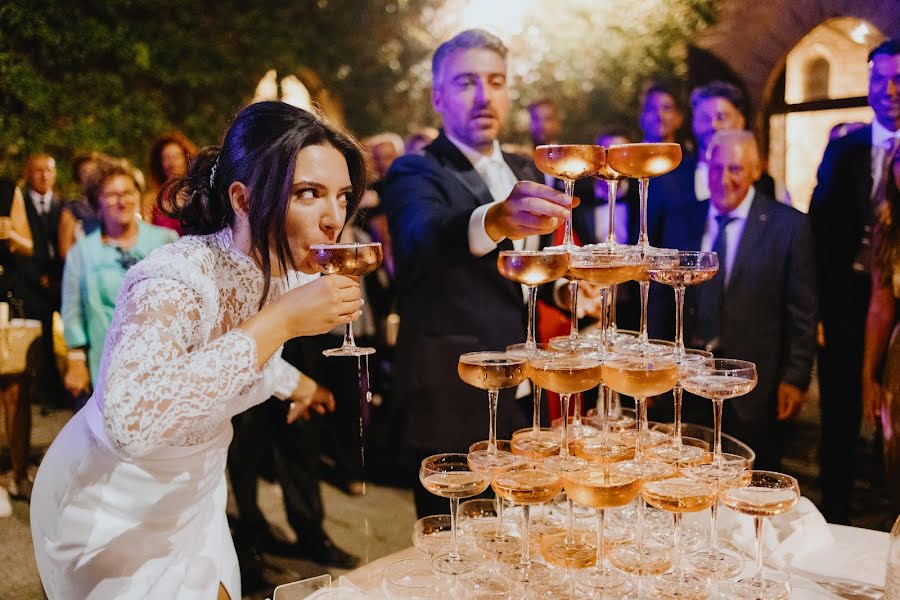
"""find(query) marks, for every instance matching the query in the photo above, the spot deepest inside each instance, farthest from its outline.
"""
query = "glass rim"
(731, 367)
(580, 360)
(541, 252)
(345, 245)
(633, 144)
(469, 358)
(569, 146)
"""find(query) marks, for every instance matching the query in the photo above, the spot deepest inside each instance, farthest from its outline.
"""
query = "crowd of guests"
(792, 287)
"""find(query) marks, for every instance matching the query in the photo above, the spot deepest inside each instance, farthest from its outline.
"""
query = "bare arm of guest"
(879, 321)
(15, 228)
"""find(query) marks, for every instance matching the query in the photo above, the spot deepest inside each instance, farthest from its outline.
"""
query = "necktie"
(711, 295)
(879, 207)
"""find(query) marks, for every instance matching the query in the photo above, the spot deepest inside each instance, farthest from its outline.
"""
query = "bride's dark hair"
(260, 150)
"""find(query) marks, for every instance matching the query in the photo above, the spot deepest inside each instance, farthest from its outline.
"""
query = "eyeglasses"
(111, 198)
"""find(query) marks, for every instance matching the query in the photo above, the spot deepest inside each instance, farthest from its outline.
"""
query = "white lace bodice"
(174, 368)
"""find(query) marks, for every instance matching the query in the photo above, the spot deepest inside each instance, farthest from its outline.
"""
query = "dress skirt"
(109, 526)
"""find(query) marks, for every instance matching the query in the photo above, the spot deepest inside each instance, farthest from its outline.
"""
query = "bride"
(129, 501)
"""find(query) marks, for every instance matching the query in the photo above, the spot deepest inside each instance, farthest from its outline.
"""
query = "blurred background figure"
(661, 117)
(169, 158)
(96, 266)
(78, 217)
(420, 138)
(383, 149)
(544, 122)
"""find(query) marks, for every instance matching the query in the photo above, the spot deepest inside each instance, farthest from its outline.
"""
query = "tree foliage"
(112, 75)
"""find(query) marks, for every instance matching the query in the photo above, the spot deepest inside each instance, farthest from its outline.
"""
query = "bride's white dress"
(129, 501)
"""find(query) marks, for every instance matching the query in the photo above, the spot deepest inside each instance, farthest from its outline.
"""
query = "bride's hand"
(322, 304)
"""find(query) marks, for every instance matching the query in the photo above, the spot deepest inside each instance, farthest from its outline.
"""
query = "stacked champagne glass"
(617, 467)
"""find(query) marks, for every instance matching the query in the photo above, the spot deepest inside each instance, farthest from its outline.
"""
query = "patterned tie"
(711, 295)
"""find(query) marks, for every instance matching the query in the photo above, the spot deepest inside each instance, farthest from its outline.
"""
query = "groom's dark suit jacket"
(450, 302)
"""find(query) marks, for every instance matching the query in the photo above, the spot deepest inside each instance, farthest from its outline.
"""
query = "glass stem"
(349, 342)
(568, 241)
(573, 303)
(643, 187)
(530, 344)
(536, 419)
(713, 538)
(454, 543)
(501, 531)
(760, 577)
(717, 424)
(611, 187)
(676, 394)
(604, 322)
(606, 397)
(641, 405)
(611, 329)
(639, 530)
(493, 395)
(564, 404)
(525, 559)
(576, 414)
(679, 322)
(676, 550)
(645, 293)
(570, 521)
(601, 522)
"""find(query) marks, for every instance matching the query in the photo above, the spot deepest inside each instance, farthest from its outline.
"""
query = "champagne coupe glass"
(449, 476)
(431, 534)
(673, 449)
(527, 484)
(352, 260)
(602, 265)
(532, 268)
(767, 495)
(643, 161)
(679, 495)
(410, 579)
(731, 470)
(602, 487)
(690, 268)
(641, 376)
(569, 162)
(654, 258)
(493, 540)
(536, 442)
(719, 379)
(491, 371)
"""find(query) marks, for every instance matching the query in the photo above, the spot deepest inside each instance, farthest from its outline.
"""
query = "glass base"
(576, 553)
(640, 561)
(678, 586)
(531, 572)
(484, 460)
(604, 449)
(650, 349)
(349, 351)
(484, 583)
(445, 565)
(498, 546)
(541, 444)
(606, 582)
(563, 464)
(676, 454)
(719, 565)
(775, 586)
(567, 343)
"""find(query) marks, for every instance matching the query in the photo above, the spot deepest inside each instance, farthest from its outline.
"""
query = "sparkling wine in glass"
(569, 162)
(767, 495)
(602, 487)
(718, 380)
(641, 162)
(449, 476)
(532, 268)
(491, 371)
(678, 496)
(494, 539)
(536, 442)
(352, 260)
(527, 484)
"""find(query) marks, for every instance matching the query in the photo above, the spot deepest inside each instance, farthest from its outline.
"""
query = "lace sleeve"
(164, 384)
(285, 378)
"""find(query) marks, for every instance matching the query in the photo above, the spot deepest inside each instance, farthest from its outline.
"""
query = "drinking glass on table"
(491, 371)
(494, 539)
(537, 441)
(449, 476)
(768, 494)
(569, 162)
(352, 260)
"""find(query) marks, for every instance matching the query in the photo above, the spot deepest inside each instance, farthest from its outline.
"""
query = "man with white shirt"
(451, 210)
(42, 271)
(761, 305)
(850, 188)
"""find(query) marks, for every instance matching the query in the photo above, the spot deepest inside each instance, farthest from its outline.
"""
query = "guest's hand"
(78, 378)
(320, 400)
(790, 401)
(531, 209)
(320, 305)
(873, 399)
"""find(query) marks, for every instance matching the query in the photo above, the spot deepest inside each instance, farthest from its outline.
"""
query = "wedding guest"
(130, 499)
(78, 218)
(169, 159)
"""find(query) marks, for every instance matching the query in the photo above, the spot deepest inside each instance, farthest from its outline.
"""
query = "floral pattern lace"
(175, 369)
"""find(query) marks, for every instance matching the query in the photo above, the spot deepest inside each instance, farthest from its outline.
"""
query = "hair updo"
(260, 150)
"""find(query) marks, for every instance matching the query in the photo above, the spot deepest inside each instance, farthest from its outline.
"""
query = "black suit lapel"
(459, 166)
(754, 230)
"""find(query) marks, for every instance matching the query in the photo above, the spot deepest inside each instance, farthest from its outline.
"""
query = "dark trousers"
(262, 438)
(840, 403)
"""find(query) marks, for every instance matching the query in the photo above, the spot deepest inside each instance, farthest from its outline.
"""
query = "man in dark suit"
(851, 181)
(761, 305)
(42, 271)
(451, 210)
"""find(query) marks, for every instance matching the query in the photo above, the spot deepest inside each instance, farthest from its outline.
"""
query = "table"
(851, 566)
